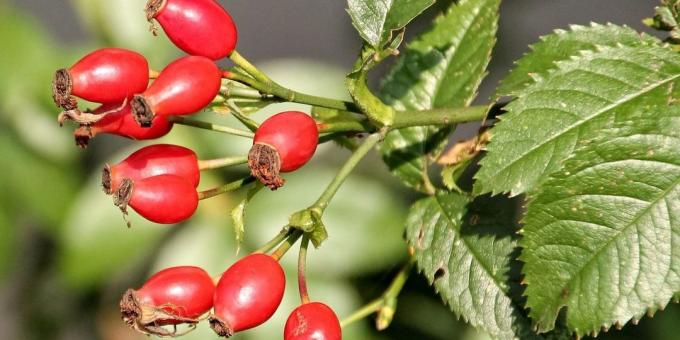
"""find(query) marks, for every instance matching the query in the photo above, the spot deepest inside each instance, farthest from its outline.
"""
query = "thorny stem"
(302, 267)
(210, 164)
(346, 169)
(210, 126)
(392, 292)
(282, 235)
(229, 187)
(287, 244)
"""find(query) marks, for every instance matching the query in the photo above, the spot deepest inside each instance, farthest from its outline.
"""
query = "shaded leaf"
(568, 109)
(441, 68)
(467, 250)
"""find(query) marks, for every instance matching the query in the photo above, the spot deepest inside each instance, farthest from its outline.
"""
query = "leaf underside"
(601, 235)
(375, 20)
(443, 67)
(468, 250)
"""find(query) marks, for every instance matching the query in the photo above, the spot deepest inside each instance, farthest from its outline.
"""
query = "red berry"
(121, 122)
(248, 294)
(164, 199)
(172, 296)
(108, 75)
(153, 160)
(198, 27)
(283, 143)
(184, 87)
(312, 321)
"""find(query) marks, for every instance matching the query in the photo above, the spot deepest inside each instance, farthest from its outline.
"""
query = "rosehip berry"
(172, 296)
(283, 143)
(153, 160)
(184, 87)
(108, 75)
(121, 122)
(248, 294)
(312, 321)
(198, 27)
(164, 199)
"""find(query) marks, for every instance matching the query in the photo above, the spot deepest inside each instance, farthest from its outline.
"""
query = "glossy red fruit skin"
(184, 87)
(163, 199)
(198, 27)
(109, 75)
(183, 291)
(293, 134)
(247, 294)
(120, 122)
(154, 160)
(312, 321)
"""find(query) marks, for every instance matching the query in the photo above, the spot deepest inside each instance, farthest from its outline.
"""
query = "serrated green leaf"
(602, 238)
(467, 250)
(375, 20)
(441, 68)
(567, 109)
(561, 45)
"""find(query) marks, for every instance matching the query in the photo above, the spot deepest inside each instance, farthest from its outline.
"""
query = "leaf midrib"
(586, 119)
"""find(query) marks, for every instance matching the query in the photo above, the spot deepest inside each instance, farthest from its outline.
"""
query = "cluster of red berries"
(160, 181)
(246, 295)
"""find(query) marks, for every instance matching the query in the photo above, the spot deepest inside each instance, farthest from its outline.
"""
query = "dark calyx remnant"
(220, 327)
(142, 111)
(153, 7)
(129, 308)
(62, 84)
(106, 179)
(265, 164)
(82, 136)
(150, 319)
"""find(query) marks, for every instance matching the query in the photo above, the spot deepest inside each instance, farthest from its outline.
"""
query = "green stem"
(266, 85)
(404, 119)
(359, 125)
(287, 244)
(346, 169)
(444, 116)
(244, 64)
(229, 187)
(302, 267)
(244, 119)
(210, 164)
(392, 292)
(363, 312)
(210, 126)
(267, 247)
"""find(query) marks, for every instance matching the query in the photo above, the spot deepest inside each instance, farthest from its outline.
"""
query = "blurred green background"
(65, 253)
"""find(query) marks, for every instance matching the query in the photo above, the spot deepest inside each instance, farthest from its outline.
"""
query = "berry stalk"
(287, 244)
(210, 126)
(351, 163)
(302, 270)
(280, 237)
(210, 164)
(264, 84)
(229, 187)
(386, 300)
